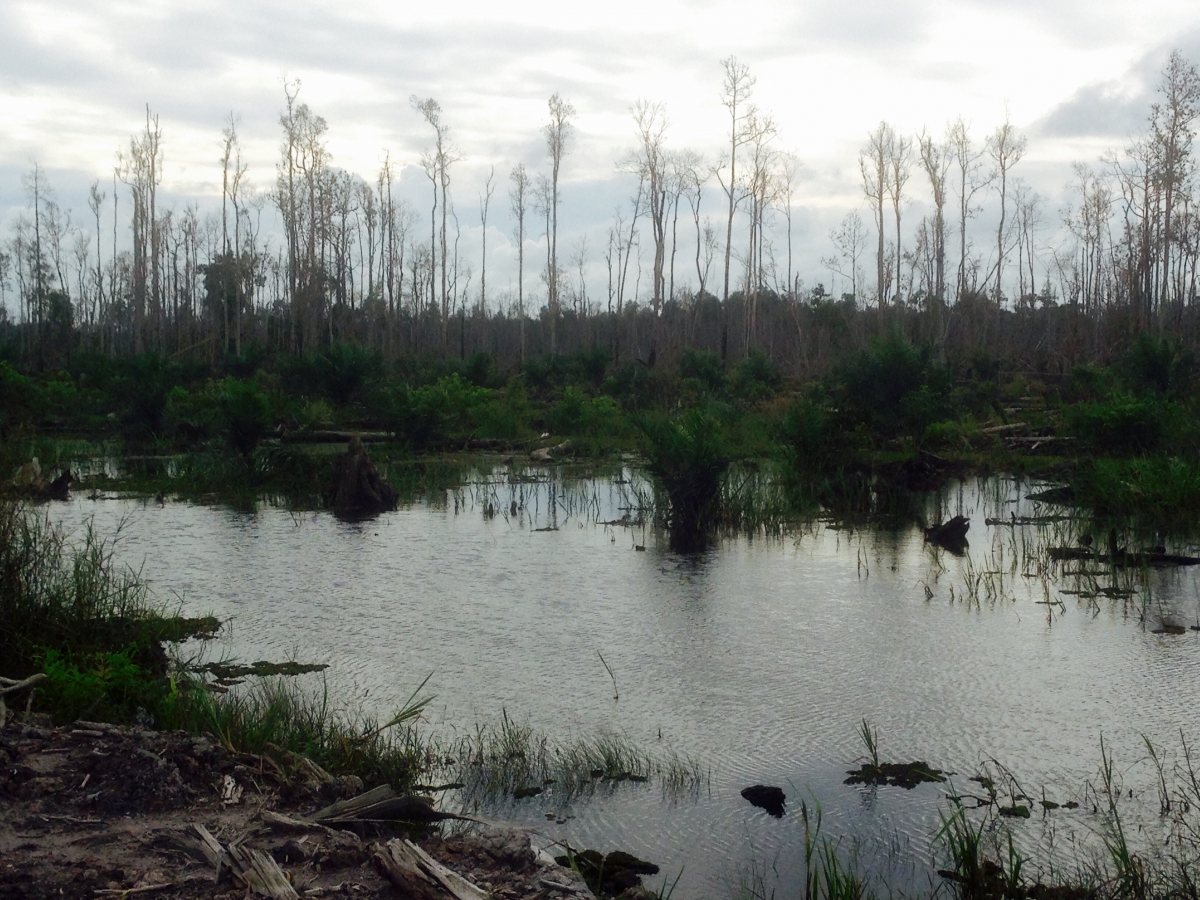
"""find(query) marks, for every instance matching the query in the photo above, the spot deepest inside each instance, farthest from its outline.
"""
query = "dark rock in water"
(1169, 628)
(769, 798)
(357, 485)
(951, 534)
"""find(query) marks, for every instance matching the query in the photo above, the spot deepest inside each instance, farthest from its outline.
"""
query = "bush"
(755, 377)
(1123, 425)
(704, 368)
(1157, 366)
(246, 414)
(894, 387)
(578, 414)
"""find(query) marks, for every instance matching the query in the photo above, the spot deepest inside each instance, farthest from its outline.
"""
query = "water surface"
(758, 658)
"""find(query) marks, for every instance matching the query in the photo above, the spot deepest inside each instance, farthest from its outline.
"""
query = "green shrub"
(1123, 425)
(894, 387)
(1157, 366)
(107, 687)
(704, 368)
(755, 377)
(246, 414)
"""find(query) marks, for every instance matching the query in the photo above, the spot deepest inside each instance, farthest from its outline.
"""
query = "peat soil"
(95, 810)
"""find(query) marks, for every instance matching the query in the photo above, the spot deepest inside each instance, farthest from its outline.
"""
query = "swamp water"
(757, 660)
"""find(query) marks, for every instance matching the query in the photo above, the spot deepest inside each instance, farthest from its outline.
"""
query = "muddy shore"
(94, 810)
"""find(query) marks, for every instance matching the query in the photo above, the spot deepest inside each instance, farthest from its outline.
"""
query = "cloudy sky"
(75, 78)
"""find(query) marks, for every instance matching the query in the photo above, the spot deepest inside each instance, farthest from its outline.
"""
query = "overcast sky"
(75, 78)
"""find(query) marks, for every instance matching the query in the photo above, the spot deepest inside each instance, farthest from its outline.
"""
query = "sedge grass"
(500, 760)
(277, 714)
(71, 599)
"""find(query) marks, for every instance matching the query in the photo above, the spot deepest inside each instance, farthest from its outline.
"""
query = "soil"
(96, 810)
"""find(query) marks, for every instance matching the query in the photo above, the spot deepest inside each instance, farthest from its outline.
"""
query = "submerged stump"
(358, 488)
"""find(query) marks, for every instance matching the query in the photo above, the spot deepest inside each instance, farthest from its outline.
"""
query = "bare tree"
(95, 203)
(736, 90)
(485, 200)
(935, 160)
(899, 169)
(850, 242)
(650, 163)
(789, 169)
(518, 194)
(970, 181)
(558, 134)
(1006, 146)
(1171, 137)
(873, 165)
(444, 154)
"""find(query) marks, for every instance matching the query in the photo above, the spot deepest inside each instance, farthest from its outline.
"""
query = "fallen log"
(415, 873)
(13, 686)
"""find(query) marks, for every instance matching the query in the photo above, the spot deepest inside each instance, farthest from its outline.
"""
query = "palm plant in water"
(687, 460)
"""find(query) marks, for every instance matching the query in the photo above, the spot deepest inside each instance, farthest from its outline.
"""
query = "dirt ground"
(99, 811)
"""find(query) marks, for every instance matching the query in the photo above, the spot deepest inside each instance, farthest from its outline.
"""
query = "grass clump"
(277, 717)
(70, 608)
(516, 760)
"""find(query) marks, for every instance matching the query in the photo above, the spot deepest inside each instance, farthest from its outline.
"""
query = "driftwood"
(253, 868)
(348, 809)
(287, 823)
(13, 686)
(336, 437)
(382, 805)
(415, 873)
(547, 454)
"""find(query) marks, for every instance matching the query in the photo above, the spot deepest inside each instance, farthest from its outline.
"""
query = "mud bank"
(94, 810)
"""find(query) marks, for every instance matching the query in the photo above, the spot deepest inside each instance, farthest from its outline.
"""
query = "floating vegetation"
(228, 673)
(873, 771)
(906, 775)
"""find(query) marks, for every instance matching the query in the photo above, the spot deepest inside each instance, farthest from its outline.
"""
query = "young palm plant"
(688, 463)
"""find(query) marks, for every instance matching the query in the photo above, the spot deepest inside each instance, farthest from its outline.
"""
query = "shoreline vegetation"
(726, 446)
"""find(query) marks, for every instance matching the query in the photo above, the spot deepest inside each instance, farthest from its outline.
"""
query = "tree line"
(701, 254)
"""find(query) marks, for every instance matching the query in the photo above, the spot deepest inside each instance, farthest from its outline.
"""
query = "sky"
(76, 78)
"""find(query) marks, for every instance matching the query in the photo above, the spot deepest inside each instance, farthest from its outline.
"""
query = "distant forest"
(341, 261)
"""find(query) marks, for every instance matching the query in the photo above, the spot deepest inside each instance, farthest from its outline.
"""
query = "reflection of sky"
(759, 658)
(75, 78)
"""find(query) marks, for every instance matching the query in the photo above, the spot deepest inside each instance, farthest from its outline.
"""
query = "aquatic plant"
(686, 458)
(511, 759)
